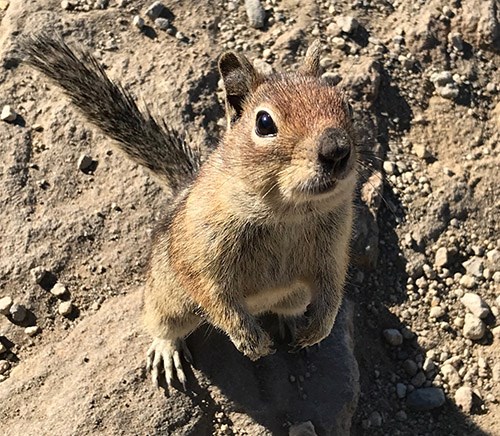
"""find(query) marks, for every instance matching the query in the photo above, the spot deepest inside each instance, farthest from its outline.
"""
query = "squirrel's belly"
(269, 299)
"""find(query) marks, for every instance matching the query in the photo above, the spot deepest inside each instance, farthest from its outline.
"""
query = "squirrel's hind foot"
(165, 355)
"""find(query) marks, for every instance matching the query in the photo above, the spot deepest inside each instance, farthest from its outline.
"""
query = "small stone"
(437, 312)
(474, 266)
(467, 281)
(156, 10)
(3, 348)
(495, 372)
(32, 330)
(426, 399)
(421, 151)
(138, 22)
(4, 4)
(5, 305)
(464, 398)
(180, 36)
(162, 23)
(375, 419)
(389, 167)
(302, 429)
(338, 43)
(333, 29)
(8, 114)
(456, 41)
(450, 92)
(450, 374)
(474, 328)
(4, 366)
(347, 24)
(65, 308)
(419, 379)
(401, 390)
(401, 415)
(255, 13)
(18, 312)
(84, 162)
(58, 290)
(442, 79)
(428, 365)
(475, 304)
(67, 5)
(493, 257)
(393, 337)
(410, 367)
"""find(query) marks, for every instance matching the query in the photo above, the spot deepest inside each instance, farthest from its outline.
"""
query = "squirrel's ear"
(311, 67)
(240, 79)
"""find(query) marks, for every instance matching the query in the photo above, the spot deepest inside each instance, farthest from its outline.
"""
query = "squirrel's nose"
(334, 150)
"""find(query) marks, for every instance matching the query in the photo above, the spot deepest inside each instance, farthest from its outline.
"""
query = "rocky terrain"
(416, 349)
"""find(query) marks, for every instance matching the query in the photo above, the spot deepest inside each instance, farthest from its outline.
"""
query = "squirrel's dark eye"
(264, 125)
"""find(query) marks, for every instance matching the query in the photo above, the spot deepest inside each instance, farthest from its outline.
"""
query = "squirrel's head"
(290, 134)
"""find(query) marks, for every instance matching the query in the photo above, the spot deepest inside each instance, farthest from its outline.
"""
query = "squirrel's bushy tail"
(111, 108)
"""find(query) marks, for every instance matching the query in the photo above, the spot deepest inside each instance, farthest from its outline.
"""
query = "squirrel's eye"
(264, 125)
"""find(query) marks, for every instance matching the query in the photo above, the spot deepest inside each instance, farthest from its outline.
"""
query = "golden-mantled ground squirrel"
(262, 226)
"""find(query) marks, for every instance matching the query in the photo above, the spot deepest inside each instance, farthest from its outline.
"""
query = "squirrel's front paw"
(253, 344)
(311, 335)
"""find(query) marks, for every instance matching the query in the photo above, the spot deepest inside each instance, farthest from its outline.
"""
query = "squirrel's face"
(291, 134)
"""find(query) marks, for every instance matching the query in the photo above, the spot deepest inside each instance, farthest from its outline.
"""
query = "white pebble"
(475, 304)
(65, 308)
(474, 328)
(32, 330)
(58, 290)
(8, 114)
(5, 304)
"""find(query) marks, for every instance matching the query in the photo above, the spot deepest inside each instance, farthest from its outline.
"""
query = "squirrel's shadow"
(285, 387)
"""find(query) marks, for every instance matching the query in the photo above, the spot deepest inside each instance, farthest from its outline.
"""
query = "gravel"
(426, 399)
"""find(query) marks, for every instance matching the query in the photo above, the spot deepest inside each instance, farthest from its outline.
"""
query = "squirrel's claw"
(165, 354)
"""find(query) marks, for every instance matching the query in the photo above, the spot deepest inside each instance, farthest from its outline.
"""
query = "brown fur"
(254, 230)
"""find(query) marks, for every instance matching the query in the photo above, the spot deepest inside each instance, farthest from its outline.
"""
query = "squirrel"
(262, 226)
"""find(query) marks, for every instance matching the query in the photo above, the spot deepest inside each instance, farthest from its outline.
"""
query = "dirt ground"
(435, 137)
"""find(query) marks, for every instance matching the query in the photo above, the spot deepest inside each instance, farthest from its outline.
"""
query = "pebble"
(464, 398)
(456, 41)
(393, 337)
(401, 390)
(419, 379)
(3, 348)
(255, 13)
(302, 429)
(156, 10)
(5, 304)
(475, 304)
(426, 399)
(18, 312)
(375, 419)
(450, 92)
(4, 4)
(84, 162)
(4, 366)
(65, 308)
(58, 290)
(389, 167)
(162, 23)
(437, 312)
(442, 78)
(474, 266)
(410, 367)
(138, 22)
(38, 274)
(66, 5)
(495, 372)
(401, 415)
(450, 374)
(442, 258)
(8, 114)
(338, 43)
(467, 281)
(493, 256)
(474, 328)
(428, 365)
(347, 24)
(32, 330)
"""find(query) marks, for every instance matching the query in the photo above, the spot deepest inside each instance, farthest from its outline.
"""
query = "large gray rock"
(94, 381)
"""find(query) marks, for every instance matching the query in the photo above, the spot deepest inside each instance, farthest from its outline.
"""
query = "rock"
(450, 92)
(375, 419)
(18, 312)
(421, 151)
(347, 24)
(468, 281)
(474, 266)
(401, 415)
(419, 379)
(464, 398)
(162, 23)
(8, 114)
(401, 390)
(104, 354)
(495, 372)
(456, 41)
(255, 13)
(85, 163)
(338, 43)
(410, 367)
(479, 23)
(426, 399)
(393, 337)
(58, 290)
(65, 308)
(450, 374)
(428, 365)
(333, 29)
(138, 22)
(493, 257)
(156, 10)
(4, 4)
(389, 167)
(302, 429)
(37, 274)
(5, 304)
(442, 79)
(3, 348)
(474, 328)
(442, 258)
(4, 366)
(67, 5)
(475, 304)
(437, 312)
(32, 330)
